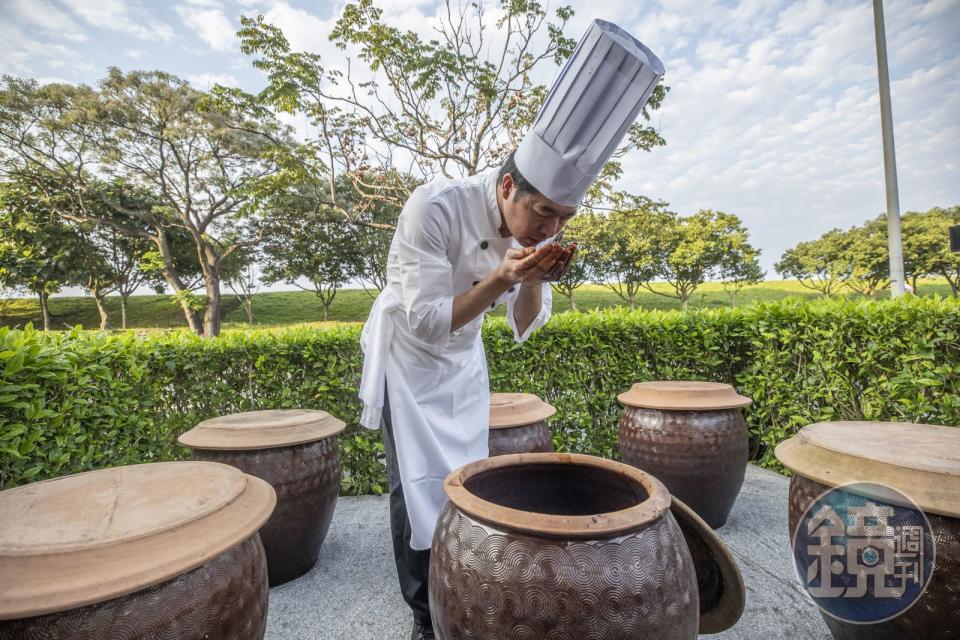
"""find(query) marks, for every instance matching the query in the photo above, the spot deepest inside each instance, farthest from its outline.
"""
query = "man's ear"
(507, 185)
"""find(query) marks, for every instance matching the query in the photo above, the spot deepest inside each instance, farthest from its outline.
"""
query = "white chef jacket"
(447, 240)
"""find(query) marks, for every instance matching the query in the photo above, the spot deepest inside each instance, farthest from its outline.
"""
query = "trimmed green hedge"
(76, 401)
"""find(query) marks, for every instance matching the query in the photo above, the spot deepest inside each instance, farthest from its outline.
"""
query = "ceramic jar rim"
(602, 525)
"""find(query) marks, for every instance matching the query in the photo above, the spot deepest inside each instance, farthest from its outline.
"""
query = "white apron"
(447, 239)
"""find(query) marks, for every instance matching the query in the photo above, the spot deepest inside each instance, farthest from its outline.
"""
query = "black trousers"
(412, 566)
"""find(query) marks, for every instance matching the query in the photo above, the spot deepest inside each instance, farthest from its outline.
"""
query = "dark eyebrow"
(555, 212)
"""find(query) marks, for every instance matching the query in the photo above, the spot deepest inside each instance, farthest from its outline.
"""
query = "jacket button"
(476, 282)
(510, 290)
(493, 305)
(484, 244)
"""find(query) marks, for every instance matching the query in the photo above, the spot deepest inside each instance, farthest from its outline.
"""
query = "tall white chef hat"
(594, 99)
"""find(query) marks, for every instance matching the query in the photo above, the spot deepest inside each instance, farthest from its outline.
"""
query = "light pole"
(889, 157)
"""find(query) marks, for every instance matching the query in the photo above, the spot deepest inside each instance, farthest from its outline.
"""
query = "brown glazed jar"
(921, 462)
(297, 452)
(168, 549)
(692, 437)
(518, 424)
(567, 547)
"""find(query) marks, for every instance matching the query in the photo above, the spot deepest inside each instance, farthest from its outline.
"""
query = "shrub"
(76, 401)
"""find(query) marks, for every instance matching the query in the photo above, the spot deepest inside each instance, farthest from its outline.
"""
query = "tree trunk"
(684, 299)
(573, 304)
(248, 308)
(123, 309)
(211, 315)
(170, 275)
(102, 309)
(913, 279)
(45, 310)
(954, 284)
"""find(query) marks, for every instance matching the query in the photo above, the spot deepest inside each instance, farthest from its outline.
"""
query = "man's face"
(531, 219)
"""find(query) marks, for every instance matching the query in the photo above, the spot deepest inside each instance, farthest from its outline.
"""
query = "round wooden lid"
(683, 396)
(517, 409)
(90, 537)
(921, 461)
(262, 429)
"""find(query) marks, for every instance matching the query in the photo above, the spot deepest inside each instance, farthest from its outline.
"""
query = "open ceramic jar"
(690, 435)
(168, 549)
(297, 452)
(559, 546)
(518, 424)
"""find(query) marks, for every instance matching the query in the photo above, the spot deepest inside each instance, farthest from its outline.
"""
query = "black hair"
(520, 183)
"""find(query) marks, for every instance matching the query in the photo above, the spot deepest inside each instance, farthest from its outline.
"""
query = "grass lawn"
(293, 307)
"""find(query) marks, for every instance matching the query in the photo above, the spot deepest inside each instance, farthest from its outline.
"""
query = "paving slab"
(352, 592)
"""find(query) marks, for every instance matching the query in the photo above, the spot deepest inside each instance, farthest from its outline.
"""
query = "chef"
(461, 248)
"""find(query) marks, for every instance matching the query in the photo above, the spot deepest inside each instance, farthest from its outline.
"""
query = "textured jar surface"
(306, 478)
(490, 583)
(223, 599)
(528, 438)
(701, 456)
(936, 613)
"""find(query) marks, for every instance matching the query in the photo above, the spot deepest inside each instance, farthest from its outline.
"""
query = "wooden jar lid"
(683, 396)
(921, 461)
(517, 409)
(262, 429)
(90, 537)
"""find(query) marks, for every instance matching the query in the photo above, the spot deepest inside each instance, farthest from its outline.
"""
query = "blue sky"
(773, 113)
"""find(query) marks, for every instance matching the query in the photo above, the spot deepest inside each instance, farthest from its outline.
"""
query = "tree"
(869, 255)
(208, 164)
(451, 106)
(38, 252)
(128, 258)
(324, 252)
(698, 247)
(926, 250)
(584, 229)
(628, 241)
(739, 263)
(823, 264)
(239, 273)
(101, 279)
(373, 245)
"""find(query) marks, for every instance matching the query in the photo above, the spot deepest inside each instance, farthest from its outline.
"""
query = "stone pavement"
(352, 593)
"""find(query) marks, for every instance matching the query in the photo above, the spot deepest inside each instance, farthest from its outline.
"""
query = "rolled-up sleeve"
(426, 274)
(546, 306)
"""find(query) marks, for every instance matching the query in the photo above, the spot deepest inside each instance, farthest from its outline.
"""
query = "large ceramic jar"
(518, 424)
(901, 477)
(163, 550)
(297, 452)
(692, 437)
(565, 546)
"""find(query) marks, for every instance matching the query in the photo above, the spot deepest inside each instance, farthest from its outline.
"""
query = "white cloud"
(136, 54)
(210, 23)
(787, 134)
(117, 15)
(303, 30)
(46, 17)
(207, 80)
(23, 55)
